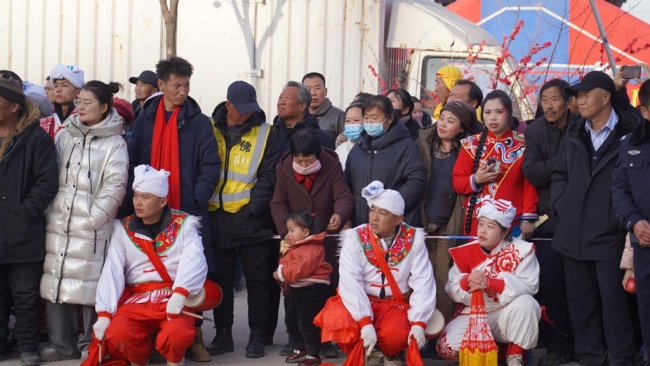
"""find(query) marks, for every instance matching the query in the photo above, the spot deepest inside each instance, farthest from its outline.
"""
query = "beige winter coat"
(93, 173)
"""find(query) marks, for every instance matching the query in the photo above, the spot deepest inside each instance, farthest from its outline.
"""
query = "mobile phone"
(631, 72)
(494, 163)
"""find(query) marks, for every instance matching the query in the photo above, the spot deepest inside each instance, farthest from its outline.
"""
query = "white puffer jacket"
(93, 174)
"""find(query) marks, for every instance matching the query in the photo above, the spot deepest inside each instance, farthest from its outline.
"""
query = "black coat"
(29, 180)
(252, 224)
(198, 156)
(581, 197)
(542, 146)
(631, 177)
(392, 159)
(282, 134)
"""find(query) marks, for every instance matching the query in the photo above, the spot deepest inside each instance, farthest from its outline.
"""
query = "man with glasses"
(169, 130)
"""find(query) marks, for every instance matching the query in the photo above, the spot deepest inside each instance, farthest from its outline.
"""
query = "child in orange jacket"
(305, 277)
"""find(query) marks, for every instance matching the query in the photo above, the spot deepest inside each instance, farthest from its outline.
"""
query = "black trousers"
(275, 293)
(254, 261)
(642, 277)
(301, 305)
(599, 310)
(20, 281)
(558, 335)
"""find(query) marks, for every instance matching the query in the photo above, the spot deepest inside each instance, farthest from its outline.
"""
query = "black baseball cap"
(243, 97)
(593, 80)
(147, 76)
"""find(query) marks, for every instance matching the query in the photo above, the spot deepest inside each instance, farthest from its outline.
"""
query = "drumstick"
(197, 316)
(100, 355)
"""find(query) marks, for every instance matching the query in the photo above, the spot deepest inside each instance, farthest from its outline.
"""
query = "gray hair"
(304, 95)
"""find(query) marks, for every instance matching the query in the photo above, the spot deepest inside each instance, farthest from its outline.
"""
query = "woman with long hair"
(93, 173)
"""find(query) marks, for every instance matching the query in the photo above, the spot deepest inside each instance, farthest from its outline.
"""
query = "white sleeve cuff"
(280, 273)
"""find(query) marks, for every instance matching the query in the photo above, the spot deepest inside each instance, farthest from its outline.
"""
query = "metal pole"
(603, 36)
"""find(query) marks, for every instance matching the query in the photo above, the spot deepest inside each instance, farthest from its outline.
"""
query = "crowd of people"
(116, 217)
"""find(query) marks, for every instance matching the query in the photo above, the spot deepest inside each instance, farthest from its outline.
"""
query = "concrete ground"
(240, 335)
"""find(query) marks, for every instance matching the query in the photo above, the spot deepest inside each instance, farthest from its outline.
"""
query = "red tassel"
(545, 316)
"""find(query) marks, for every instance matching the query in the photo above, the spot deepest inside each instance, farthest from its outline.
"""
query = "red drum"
(435, 326)
(208, 298)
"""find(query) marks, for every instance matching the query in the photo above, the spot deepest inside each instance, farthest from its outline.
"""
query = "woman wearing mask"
(403, 106)
(423, 118)
(440, 207)
(352, 131)
(385, 152)
(490, 163)
(93, 173)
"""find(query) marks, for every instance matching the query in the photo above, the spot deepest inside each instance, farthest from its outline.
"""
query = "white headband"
(71, 73)
(149, 180)
(501, 211)
(387, 199)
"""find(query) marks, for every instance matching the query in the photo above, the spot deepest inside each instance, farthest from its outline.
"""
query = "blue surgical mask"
(352, 132)
(375, 129)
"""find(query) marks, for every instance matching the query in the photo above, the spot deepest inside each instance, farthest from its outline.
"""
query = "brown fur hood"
(31, 114)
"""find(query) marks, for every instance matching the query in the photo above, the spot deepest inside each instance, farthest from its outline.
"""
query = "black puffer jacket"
(252, 224)
(581, 193)
(29, 180)
(282, 134)
(392, 159)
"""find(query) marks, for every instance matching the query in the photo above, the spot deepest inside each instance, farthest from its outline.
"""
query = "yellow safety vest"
(238, 168)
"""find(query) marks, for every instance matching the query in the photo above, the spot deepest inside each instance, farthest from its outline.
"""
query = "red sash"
(165, 152)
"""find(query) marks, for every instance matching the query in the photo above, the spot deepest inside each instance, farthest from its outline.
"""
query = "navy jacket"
(630, 179)
(581, 194)
(283, 135)
(198, 156)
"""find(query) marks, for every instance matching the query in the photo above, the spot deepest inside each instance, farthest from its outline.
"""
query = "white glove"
(369, 337)
(100, 327)
(175, 305)
(418, 333)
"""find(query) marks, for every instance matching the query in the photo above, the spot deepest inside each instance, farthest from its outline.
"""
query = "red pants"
(392, 326)
(129, 334)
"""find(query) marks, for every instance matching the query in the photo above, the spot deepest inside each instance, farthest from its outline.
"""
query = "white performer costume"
(513, 278)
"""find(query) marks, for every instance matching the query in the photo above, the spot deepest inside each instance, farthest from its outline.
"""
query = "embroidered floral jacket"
(408, 260)
(511, 267)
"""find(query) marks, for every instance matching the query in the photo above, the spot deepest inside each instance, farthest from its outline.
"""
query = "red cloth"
(413, 357)
(511, 184)
(165, 152)
(128, 337)
(307, 180)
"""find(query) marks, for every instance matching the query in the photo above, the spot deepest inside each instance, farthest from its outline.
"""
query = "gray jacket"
(93, 173)
(330, 118)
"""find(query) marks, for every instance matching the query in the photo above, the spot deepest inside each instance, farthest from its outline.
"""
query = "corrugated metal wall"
(109, 39)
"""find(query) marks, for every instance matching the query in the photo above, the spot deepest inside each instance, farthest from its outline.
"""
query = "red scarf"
(165, 153)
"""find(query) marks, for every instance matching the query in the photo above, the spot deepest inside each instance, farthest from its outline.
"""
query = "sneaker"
(328, 350)
(286, 350)
(182, 363)
(392, 362)
(49, 354)
(297, 356)
(553, 359)
(515, 360)
(29, 359)
(310, 361)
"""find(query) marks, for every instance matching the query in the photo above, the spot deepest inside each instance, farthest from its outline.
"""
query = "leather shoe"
(553, 359)
(286, 350)
(310, 361)
(297, 356)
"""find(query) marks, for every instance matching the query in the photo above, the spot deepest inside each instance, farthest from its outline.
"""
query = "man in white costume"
(155, 260)
(507, 272)
(369, 282)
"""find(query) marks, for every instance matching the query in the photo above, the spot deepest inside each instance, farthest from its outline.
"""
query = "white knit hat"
(501, 211)
(72, 73)
(387, 199)
(149, 180)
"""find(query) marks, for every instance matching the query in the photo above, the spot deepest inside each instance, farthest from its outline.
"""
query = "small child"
(305, 277)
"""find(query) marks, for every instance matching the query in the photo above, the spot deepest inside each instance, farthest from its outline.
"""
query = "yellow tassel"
(477, 358)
